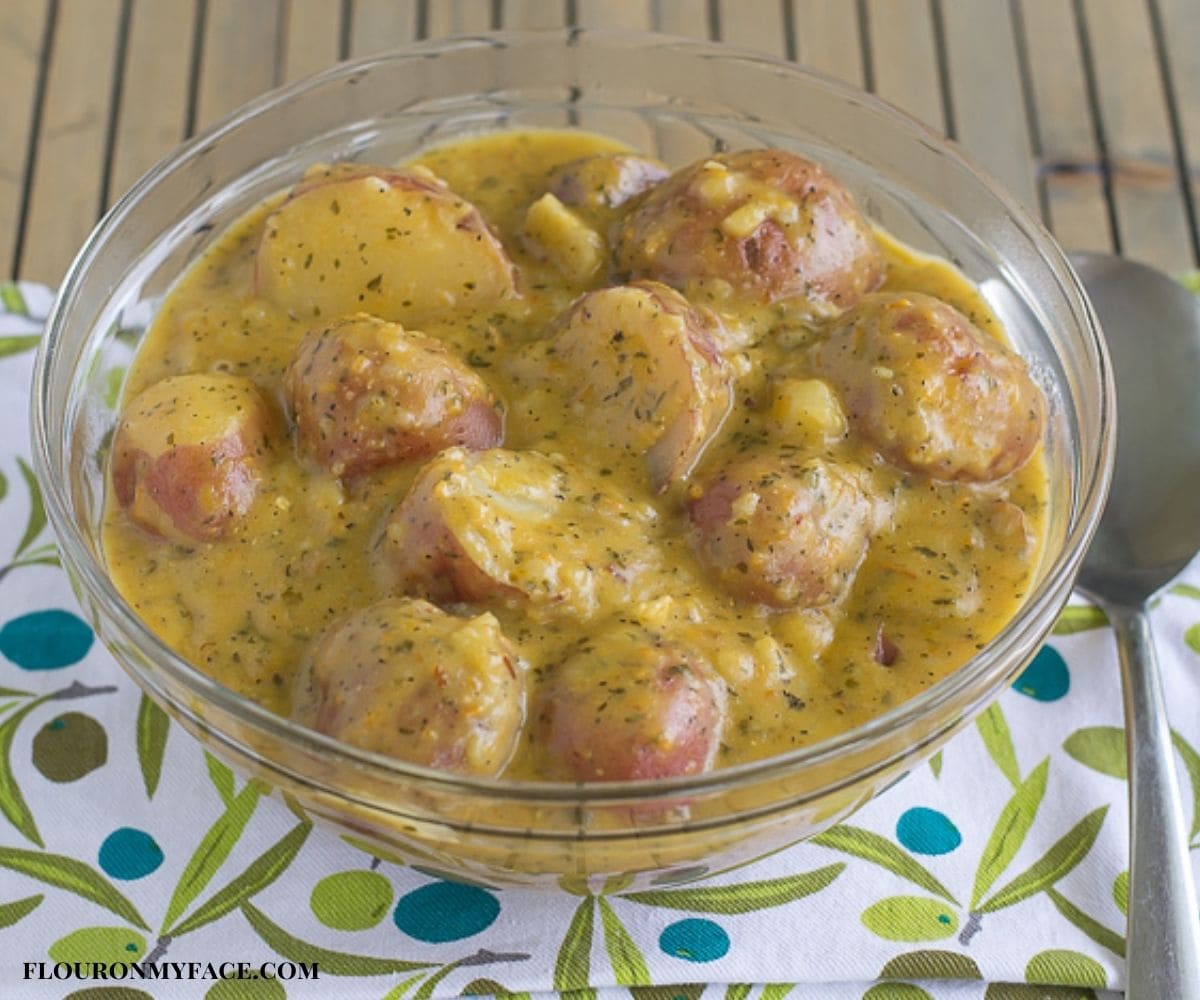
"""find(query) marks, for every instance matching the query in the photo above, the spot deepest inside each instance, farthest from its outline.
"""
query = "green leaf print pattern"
(573, 965)
(628, 964)
(744, 898)
(151, 735)
(212, 851)
(879, 850)
(1079, 618)
(997, 738)
(260, 873)
(74, 876)
(333, 963)
(1104, 937)
(919, 918)
(1060, 859)
(1009, 832)
(18, 909)
(26, 553)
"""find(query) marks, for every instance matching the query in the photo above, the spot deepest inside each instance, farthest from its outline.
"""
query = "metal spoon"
(1149, 531)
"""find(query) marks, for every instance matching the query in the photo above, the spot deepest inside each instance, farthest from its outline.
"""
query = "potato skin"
(365, 394)
(772, 225)
(932, 391)
(783, 532)
(630, 704)
(189, 454)
(521, 529)
(396, 243)
(645, 364)
(598, 184)
(405, 679)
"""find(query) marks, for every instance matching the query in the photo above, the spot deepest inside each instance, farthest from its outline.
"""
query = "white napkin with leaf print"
(997, 872)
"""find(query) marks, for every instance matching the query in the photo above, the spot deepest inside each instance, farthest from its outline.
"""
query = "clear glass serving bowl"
(678, 100)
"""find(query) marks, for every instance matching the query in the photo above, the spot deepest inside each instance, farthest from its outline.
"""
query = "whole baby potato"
(769, 225)
(403, 678)
(628, 703)
(640, 361)
(783, 532)
(189, 453)
(931, 390)
(398, 244)
(365, 393)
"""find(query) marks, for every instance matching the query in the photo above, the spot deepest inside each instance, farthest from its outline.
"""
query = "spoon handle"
(1162, 949)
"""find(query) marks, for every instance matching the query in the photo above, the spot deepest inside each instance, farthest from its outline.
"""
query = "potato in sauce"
(540, 460)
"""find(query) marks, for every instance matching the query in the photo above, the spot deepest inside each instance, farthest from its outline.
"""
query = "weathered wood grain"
(1180, 27)
(66, 188)
(904, 60)
(376, 25)
(826, 37)
(1146, 193)
(1073, 198)
(22, 25)
(984, 80)
(152, 117)
(311, 33)
(241, 56)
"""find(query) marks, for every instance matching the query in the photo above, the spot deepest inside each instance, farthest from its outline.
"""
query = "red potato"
(518, 528)
(366, 394)
(772, 225)
(629, 704)
(933, 392)
(395, 243)
(189, 454)
(783, 532)
(405, 679)
(598, 184)
(644, 364)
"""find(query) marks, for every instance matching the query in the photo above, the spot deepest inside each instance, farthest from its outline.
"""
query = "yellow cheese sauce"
(947, 565)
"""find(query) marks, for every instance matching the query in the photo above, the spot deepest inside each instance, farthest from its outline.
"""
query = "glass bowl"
(678, 100)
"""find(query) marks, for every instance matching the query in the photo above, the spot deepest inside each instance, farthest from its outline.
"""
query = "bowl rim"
(78, 559)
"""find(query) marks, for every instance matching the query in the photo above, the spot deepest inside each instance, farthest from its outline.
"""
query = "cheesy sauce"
(947, 565)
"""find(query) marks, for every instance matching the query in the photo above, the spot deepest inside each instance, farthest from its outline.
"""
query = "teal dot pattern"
(927, 831)
(694, 940)
(46, 640)
(129, 854)
(445, 911)
(1046, 678)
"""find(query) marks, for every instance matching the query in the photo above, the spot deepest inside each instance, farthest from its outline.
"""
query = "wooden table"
(1089, 110)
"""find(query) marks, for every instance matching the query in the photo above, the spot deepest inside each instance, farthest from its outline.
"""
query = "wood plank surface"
(1180, 30)
(242, 52)
(455, 17)
(311, 37)
(1043, 99)
(904, 60)
(377, 25)
(989, 107)
(153, 114)
(1147, 198)
(754, 24)
(66, 188)
(22, 27)
(826, 36)
(632, 14)
(534, 13)
(1072, 186)
(682, 17)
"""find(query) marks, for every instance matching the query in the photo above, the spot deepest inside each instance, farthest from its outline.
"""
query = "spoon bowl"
(1149, 531)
